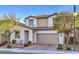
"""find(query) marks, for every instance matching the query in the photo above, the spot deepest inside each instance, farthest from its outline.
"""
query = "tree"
(65, 23)
(8, 23)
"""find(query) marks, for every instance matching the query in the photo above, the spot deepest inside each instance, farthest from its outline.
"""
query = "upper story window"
(31, 21)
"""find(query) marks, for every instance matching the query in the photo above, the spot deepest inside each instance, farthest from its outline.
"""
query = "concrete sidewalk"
(24, 51)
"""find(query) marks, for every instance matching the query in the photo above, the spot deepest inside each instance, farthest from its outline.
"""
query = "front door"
(26, 36)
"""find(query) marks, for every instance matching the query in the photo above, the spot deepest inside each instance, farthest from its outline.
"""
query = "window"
(17, 34)
(31, 22)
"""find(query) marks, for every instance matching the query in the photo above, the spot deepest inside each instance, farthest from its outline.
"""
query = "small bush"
(29, 42)
(8, 46)
(60, 47)
(1, 44)
(69, 49)
(13, 41)
(26, 44)
(6, 42)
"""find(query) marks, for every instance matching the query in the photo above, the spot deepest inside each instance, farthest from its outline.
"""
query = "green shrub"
(13, 41)
(69, 49)
(60, 47)
(1, 44)
(6, 42)
(9, 46)
(29, 42)
(26, 44)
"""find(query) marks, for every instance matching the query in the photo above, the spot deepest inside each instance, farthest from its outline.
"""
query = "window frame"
(17, 34)
(31, 22)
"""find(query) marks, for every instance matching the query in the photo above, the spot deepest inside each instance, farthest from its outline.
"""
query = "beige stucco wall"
(22, 34)
(42, 22)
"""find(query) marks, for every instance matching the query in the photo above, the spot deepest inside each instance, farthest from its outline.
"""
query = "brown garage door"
(47, 38)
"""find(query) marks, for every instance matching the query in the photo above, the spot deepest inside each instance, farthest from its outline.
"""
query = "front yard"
(37, 47)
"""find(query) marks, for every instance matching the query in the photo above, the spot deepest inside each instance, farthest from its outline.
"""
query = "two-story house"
(38, 29)
(43, 31)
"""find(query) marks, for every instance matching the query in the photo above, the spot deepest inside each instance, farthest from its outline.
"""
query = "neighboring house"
(38, 29)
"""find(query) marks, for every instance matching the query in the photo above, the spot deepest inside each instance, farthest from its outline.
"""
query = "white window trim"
(35, 21)
(32, 22)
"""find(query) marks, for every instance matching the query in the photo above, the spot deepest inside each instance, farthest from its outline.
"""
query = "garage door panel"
(47, 38)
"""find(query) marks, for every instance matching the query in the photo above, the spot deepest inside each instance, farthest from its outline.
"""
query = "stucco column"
(22, 36)
(12, 36)
(35, 40)
(31, 35)
(35, 22)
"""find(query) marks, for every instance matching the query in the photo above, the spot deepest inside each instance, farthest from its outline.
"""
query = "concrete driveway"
(42, 47)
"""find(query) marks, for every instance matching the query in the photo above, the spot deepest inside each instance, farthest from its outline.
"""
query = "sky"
(23, 11)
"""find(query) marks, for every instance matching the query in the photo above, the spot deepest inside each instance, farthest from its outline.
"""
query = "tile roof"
(41, 16)
(24, 25)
